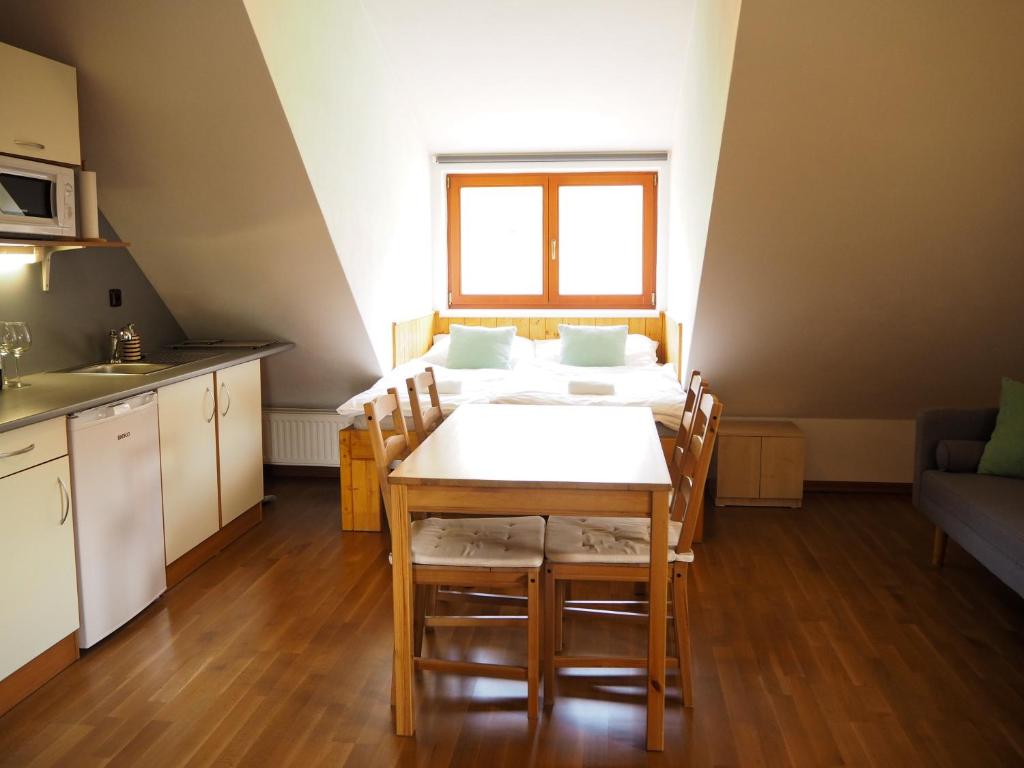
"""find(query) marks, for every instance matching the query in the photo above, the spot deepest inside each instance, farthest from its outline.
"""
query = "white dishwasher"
(119, 523)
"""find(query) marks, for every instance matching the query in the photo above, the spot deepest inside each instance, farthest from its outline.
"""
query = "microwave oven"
(36, 199)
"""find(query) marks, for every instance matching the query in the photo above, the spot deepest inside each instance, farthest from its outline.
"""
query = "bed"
(535, 378)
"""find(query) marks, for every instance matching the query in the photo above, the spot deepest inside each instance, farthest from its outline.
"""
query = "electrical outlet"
(115, 297)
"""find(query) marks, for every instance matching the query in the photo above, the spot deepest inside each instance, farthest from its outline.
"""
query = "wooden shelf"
(62, 244)
(43, 250)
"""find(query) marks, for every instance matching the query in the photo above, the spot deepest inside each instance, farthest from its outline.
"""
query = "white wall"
(537, 75)
(367, 165)
(699, 119)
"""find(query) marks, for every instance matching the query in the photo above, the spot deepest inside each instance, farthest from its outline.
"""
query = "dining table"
(504, 460)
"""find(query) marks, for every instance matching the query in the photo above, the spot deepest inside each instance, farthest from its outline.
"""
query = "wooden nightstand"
(760, 464)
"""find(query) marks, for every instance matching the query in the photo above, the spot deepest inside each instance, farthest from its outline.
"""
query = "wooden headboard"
(412, 338)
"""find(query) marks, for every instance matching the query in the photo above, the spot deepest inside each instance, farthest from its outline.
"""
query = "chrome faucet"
(117, 338)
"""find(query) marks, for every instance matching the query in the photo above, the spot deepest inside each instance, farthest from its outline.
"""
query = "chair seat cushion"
(479, 542)
(614, 540)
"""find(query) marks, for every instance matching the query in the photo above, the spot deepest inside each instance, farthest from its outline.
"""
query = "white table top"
(541, 446)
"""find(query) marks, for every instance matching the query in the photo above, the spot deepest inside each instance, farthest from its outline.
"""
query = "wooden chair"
(694, 391)
(611, 549)
(495, 552)
(697, 387)
(424, 419)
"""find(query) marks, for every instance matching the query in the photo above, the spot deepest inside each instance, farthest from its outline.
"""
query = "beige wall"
(865, 256)
(699, 117)
(198, 168)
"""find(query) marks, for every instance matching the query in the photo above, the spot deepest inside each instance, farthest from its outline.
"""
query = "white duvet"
(535, 382)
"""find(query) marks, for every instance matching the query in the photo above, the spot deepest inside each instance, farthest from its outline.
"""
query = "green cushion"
(593, 345)
(1004, 454)
(474, 346)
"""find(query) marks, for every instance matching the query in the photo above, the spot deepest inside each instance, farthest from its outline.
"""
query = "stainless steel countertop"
(59, 394)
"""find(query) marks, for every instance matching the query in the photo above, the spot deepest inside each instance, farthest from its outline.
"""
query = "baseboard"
(23, 682)
(296, 470)
(206, 550)
(851, 486)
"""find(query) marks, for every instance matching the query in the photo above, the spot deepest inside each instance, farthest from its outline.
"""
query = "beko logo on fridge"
(123, 435)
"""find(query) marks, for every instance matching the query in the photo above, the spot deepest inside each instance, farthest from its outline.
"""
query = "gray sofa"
(984, 514)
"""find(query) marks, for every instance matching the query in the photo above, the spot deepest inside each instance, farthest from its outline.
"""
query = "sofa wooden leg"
(939, 547)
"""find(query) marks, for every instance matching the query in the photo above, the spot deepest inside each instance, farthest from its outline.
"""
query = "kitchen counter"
(59, 394)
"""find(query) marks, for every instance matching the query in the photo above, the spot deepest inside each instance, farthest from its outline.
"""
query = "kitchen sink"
(122, 369)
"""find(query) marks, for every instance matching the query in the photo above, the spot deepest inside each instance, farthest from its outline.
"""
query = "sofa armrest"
(947, 424)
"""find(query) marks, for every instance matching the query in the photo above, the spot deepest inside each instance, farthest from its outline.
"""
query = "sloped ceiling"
(536, 75)
(864, 256)
(367, 165)
(198, 168)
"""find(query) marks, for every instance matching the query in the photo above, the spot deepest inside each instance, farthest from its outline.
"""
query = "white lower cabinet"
(239, 439)
(38, 582)
(188, 463)
(211, 454)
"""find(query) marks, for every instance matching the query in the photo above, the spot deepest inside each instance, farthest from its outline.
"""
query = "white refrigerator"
(119, 526)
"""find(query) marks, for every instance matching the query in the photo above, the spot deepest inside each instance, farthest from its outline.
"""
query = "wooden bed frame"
(360, 493)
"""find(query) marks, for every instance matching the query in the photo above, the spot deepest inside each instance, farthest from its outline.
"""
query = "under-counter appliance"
(119, 525)
(36, 199)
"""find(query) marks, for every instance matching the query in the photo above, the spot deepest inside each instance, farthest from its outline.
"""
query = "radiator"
(300, 437)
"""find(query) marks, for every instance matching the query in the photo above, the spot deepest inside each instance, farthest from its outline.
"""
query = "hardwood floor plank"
(821, 636)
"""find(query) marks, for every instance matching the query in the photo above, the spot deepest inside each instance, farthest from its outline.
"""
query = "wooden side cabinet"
(760, 464)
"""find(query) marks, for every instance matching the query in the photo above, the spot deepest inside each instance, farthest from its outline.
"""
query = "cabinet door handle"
(19, 452)
(226, 395)
(65, 496)
(29, 144)
(213, 404)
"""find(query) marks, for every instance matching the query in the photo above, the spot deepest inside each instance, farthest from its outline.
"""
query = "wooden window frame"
(551, 298)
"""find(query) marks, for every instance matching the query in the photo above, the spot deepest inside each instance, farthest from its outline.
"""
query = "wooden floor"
(821, 637)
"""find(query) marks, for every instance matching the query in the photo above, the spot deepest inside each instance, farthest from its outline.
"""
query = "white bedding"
(535, 381)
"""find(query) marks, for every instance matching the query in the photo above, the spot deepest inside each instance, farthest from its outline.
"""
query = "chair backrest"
(424, 419)
(696, 388)
(390, 449)
(694, 463)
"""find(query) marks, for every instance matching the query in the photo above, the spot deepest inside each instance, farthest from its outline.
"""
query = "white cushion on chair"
(479, 542)
(614, 540)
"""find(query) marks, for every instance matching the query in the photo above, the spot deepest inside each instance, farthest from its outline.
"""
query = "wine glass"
(19, 340)
(5, 350)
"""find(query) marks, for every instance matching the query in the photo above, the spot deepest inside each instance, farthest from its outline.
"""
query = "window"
(584, 240)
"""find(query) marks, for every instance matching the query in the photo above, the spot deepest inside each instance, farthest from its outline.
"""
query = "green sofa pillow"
(593, 345)
(1004, 454)
(476, 346)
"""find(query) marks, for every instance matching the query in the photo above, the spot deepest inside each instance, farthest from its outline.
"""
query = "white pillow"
(522, 349)
(640, 350)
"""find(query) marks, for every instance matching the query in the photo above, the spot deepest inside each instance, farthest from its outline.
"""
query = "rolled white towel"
(583, 387)
(451, 387)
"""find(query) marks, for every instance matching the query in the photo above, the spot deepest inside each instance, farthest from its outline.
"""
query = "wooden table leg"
(401, 587)
(656, 624)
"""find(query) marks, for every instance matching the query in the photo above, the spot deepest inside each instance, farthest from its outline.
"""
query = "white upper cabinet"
(240, 432)
(38, 107)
